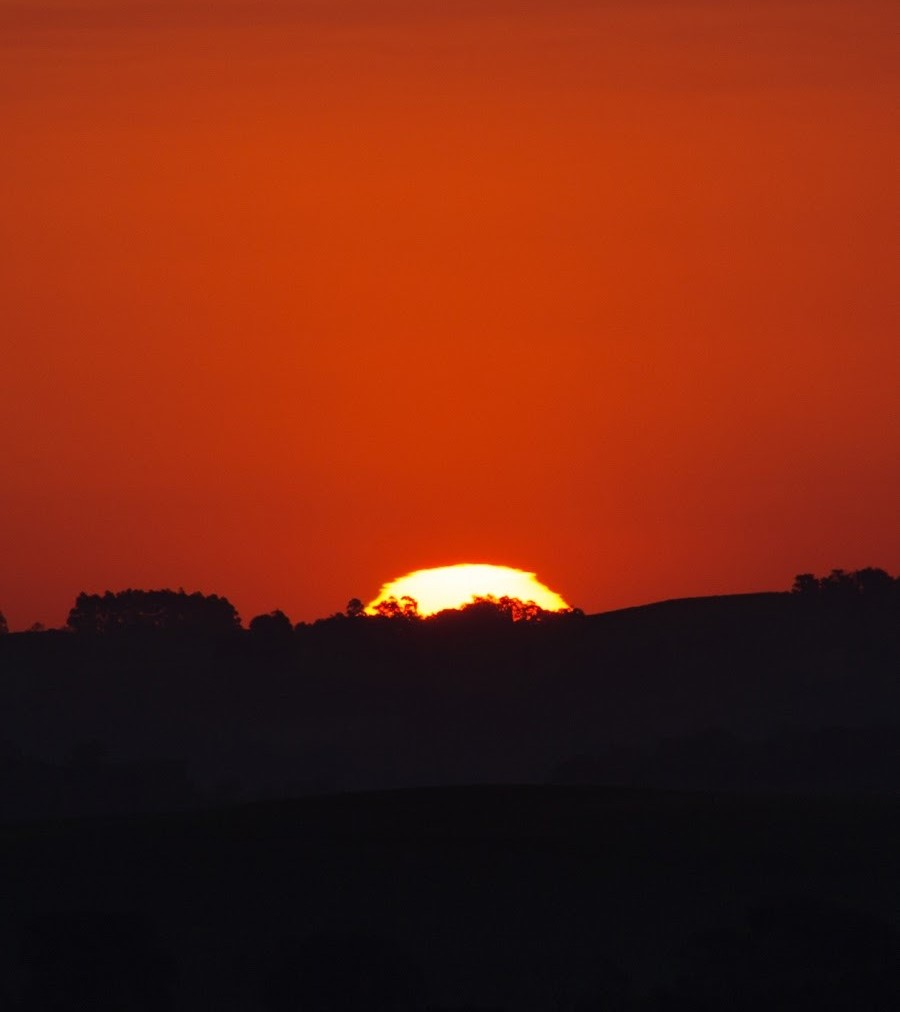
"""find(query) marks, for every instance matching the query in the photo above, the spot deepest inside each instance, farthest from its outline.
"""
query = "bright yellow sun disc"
(455, 586)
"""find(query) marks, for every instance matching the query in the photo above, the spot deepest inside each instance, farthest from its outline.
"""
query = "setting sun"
(445, 587)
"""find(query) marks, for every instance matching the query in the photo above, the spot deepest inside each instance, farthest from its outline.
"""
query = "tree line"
(171, 611)
(840, 585)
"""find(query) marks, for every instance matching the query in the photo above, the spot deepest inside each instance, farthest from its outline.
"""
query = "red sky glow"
(297, 296)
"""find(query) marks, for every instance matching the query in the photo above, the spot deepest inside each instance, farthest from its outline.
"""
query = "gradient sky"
(299, 296)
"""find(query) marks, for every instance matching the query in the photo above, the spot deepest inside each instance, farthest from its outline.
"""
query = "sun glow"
(455, 586)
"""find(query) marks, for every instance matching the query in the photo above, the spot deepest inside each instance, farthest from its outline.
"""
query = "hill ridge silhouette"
(776, 691)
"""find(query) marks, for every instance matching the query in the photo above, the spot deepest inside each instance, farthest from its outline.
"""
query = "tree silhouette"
(512, 608)
(273, 626)
(153, 610)
(875, 583)
(839, 585)
(805, 584)
(355, 608)
(406, 608)
(490, 612)
(4, 628)
(869, 584)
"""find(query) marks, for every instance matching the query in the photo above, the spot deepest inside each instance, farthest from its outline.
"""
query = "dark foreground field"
(531, 898)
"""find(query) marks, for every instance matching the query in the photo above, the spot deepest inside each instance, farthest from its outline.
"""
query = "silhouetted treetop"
(491, 610)
(355, 608)
(274, 625)
(511, 608)
(4, 628)
(480, 610)
(406, 608)
(153, 610)
(870, 584)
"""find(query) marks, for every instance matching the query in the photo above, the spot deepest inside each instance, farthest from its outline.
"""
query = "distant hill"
(766, 692)
(715, 606)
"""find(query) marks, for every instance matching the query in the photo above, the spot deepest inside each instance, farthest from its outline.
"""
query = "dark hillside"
(507, 898)
(765, 692)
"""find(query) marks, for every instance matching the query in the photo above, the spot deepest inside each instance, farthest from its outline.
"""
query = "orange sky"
(299, 296)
